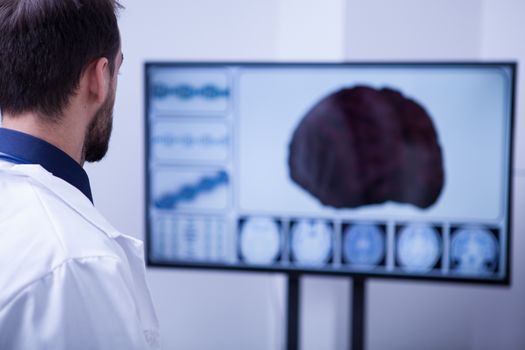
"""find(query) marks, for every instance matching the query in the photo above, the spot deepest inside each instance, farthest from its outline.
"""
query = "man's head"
(46, 48)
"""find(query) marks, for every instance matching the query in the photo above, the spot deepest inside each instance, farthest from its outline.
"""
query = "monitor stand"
(358, 303)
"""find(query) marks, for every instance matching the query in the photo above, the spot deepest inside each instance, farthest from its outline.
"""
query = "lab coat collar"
(22, 148)
(67, 193)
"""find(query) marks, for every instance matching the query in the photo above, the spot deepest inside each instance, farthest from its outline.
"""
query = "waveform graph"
(189, 238)
(173, 141)
(178, 189)
(186, 90)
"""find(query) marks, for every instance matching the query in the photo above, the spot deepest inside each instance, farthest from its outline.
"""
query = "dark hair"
(45, 46)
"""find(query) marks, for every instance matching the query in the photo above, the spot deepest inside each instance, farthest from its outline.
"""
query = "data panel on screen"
(378, 169)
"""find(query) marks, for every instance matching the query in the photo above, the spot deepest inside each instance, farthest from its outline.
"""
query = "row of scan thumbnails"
(417, 247)
(261, 241)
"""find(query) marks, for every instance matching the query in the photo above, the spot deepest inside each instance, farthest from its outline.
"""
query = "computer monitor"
(376, 169)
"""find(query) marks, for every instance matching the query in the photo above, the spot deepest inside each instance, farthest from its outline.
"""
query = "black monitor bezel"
(506, 281)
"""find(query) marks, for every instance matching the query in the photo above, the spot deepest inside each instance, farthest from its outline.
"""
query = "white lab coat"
(68, 279)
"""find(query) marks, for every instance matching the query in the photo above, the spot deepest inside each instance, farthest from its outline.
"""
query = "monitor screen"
(392, 170)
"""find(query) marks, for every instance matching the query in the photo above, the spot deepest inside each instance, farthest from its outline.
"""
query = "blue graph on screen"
(188, 92)
(190, 192)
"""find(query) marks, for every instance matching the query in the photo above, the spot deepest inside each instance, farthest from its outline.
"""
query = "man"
(68, 279)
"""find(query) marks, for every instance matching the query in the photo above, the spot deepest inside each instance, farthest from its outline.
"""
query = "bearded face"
(99, 131)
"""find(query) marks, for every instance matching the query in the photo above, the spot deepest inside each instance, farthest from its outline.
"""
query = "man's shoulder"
(39, 232)
(31, 213)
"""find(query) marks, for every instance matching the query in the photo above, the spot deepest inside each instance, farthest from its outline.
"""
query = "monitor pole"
(358, 303)
(293, 314)
(358, 312)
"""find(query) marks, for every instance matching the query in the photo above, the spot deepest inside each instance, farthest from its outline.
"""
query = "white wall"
(413, 29)
(205, 310)
(502, 37)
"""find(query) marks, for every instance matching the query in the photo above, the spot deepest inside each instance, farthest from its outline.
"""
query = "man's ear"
(99, 79)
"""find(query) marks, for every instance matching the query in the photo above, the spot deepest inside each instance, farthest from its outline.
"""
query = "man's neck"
(62, 134)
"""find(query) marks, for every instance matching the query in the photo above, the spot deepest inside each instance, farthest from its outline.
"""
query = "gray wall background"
(219, 310)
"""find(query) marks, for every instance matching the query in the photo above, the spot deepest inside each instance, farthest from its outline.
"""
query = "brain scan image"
(311, 242)
(260, 240)
(473, 251)
(363, 245)
(360, 146)
(418, 247)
